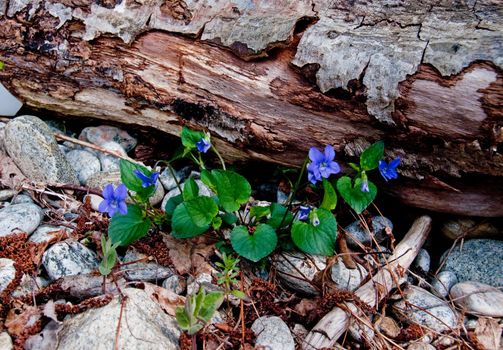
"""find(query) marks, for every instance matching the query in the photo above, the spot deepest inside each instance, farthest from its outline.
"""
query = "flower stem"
(172, 172)
(219, 156)
(294, 191)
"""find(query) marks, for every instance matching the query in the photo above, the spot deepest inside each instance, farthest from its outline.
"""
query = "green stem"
(294, 191)
(172, 172)
(219, 157)
(201, 162)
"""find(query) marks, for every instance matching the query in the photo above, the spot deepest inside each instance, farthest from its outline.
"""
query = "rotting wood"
(447, 128)
(334, 324)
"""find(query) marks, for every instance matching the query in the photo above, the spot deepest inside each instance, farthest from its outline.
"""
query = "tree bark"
(425, 78)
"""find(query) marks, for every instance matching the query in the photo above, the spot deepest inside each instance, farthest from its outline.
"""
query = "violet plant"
(254, 229)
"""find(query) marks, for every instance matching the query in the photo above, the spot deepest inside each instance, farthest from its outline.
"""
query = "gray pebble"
(84, 163)
(25, 217)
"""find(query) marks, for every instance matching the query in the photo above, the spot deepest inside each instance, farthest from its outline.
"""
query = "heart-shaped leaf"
(194, 217)
(316, 239)
(278, 216)
(254, 246)
(370, 158)
(130, 227)
(232, 189)
(190, 189)
(354, 196)
(190, 137)
(329, 196)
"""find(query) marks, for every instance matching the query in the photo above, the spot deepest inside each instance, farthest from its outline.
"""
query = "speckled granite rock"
(99, 135)
(144, 271)
(478, 299)
(272, 333)
(7, 273)
(357, 233)
(85, 164)
(31, 144)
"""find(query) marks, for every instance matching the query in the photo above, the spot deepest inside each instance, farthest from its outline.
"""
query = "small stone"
(477, 260)
(422, 261)
(168, 180)
(423, 308)
(21, 198)
(31, 144)
(443, 282)
(25, 217)
(345, 278)
(104, 133)
(420, 346)
(175, 283)
(95, 201)
(468, 228)
(46, 233)
(69, 258)
(478, 299)
(5, 341)
(108, 161)
(202, 280)
(85, 164)
(7, 194)
(203, 191)
(444, 342)
(158, 194)
(144, 326)
(7, 273)
(143, 271)
(28, 286)
(389, 327)
(296, 270)
(356, 232)
(272, 333)
(281, 197)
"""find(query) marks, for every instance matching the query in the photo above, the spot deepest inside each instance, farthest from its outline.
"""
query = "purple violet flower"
(114, 200)
(203, 145)
(365, 186)
(147, 181)
(388, 171)
(303, 213)
(322, 164)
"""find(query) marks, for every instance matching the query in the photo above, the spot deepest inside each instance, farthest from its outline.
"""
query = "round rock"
(443, 282)
(477, 260)
(68, 258)
(345, 278)
(421, 307)
(21, 198)
(25, 217)
(143, 271)
(85, 164)
(478, 299)
(272, 333)
(108, 161)
(7, 273)
(356, 232)
(168, 180)
(31, 144)
(7, 194)
(99, 135)
(422, 261)
(46, 233)
(144, 326)
(175, 283)
(296, 270)
(5, 341)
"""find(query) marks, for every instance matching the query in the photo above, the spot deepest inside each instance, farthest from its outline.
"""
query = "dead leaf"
(305, 307)
(50, 311)
(189, 256)
(19, 319)
(165, 298)
(487, 334)
(45, 340)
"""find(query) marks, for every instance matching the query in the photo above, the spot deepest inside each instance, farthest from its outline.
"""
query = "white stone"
(43, 233)
(5, 341)
(296, 270)
(345, 278)
(109, 162)
(85, 164)
(478, 299)
(272, 333)
(443, 282)
(25, 217)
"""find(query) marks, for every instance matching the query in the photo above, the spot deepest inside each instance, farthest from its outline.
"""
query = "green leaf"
(208, 179)
(181, 318)
(353, 195)
(133, 182)
(130, 227)
(191, 137)
(172, 203)
(210, 304)
(260, 212)
(190, 189)
(370, 158)
(216, 223)
(229, 218)
(238, 294)
(277, 214)
(320, 239)
(194, 217)
(1, 65)
(254, 246)
(232, 189)
(329, 197)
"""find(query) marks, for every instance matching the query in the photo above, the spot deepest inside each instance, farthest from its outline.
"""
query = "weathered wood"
(334, 324)
(432, 91)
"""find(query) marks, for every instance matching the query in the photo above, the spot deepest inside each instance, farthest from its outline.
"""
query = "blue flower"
(146, 181)
(322, 165)
(203, 145)
(388, 171)
(365, 186)
(303, 213)
(115, 200)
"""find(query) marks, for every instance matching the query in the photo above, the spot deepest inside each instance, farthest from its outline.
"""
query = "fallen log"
(425, 78)
(336, 322)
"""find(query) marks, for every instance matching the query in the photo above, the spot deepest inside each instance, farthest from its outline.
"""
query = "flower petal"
(394, 163)
(108, 192)
(329, 153)
(112, 211)
(103, 207)
(334, 166)
(123, 208)
(315, 155)
(120, 192)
